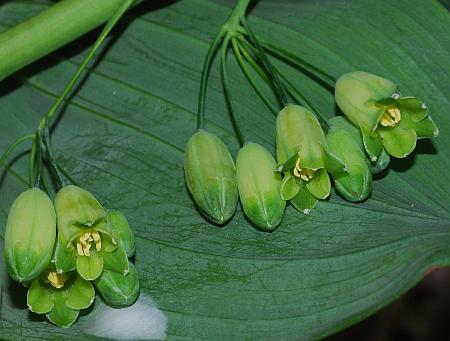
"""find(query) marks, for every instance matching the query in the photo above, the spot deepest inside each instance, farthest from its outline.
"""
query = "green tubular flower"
(354, 181)
(259, 186)
(60, 296)
(30, 235)
(386, 120)
(85, 239)
(117, 289)
(301, 155)
(211, 177)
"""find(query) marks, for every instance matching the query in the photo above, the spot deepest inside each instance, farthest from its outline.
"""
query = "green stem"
(246, 53)
(278, 85)
(67, 175)
(60, 24)
(300, 64)
(38, 169)
(231, 27)
(226, 88)
(106, 30)
(52, 162)
(250, 78)
(32, 165)
(14, 145)
(43, 129)
(205, 72)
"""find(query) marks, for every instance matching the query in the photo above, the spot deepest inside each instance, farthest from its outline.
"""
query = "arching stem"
(250, 78)
(226, 88)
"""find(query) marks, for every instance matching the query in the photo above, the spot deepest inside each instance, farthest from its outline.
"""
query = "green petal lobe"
(61, 314)
(304, 201)
(397, 141)
(81, 294)
(289, 187)
(320, 185)
(38, 299)
(90, 267)
(116, 261)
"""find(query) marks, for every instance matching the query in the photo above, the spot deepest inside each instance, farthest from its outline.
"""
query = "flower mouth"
(85, 241)
(305, 174)
(56, 279)
(391, 117)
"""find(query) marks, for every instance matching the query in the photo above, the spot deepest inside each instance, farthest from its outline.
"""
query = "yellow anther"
(84, 239)
(86, 250)
(84, 243)
(57, 280)
(390, 117)
(97, 240)
(305, 174)
(80, 249)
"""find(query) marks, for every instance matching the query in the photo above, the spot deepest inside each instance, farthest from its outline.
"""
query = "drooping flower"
(387, 121)
(259, 186)
(85, 240)
(300, 143)
(30, 235)
(60, 296)
(210, 175)
(344, 142)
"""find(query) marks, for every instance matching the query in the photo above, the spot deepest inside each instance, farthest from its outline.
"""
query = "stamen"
(56, 280)
(305, 174)
(80, 249)
(391, 117)
(98, 241)
(85, 243)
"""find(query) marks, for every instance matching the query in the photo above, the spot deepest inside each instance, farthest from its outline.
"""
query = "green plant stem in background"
(41, 139)
(48, 31)
(14, 145)
(279, 88)
(43, 132)
(229, 29)
(250, 78)
(226, 88)
(300, 64)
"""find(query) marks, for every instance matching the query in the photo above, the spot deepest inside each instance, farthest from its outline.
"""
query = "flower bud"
(301, 157)
(259, 186)
(344, 141)
(386, 120)
(118, 289)
(30, 235)
(211, 177)
(121, 231)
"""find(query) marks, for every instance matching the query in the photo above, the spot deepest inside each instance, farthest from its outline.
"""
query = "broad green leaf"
(123, 134)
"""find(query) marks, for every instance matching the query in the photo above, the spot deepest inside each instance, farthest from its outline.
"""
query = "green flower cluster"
(64, 250)
(378, 124)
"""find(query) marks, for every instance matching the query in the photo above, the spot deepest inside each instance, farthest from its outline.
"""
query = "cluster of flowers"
(378, 123)
(63, 250)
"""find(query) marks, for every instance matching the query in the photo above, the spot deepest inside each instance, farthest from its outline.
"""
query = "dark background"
(422, 314)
